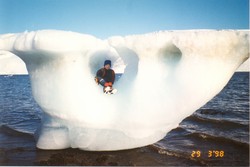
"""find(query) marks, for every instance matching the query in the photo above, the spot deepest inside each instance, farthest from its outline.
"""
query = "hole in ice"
(124, 63)
(97, 59)
(170, 55)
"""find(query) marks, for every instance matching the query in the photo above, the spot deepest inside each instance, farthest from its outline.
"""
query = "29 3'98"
(209, 154)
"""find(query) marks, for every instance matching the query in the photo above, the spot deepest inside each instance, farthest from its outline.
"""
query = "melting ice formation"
(167, 76)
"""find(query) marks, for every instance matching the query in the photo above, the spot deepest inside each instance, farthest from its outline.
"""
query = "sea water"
(220, 125)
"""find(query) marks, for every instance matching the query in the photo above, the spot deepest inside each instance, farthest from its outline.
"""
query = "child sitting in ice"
(106, 77)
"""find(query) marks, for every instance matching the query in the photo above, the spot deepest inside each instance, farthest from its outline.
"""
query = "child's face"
(107, 66)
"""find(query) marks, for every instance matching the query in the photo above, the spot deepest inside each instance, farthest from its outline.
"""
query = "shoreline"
(144, 156)
(20, 150)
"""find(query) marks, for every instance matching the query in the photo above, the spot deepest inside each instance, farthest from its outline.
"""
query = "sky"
(105, 18)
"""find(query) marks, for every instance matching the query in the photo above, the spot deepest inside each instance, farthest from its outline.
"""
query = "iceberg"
(167, 75)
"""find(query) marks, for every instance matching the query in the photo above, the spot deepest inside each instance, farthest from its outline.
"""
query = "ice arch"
(167, 76)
